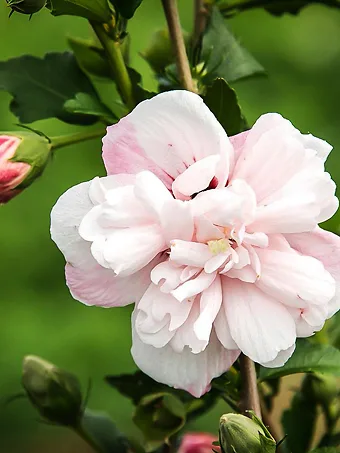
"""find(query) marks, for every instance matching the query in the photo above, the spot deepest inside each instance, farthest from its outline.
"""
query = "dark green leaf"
(139, 93)
(333, 330)
(277, 8)
(308, 357)
(138, 385)
(97, 10)
(327, 450)
(222, 101)
(159, 416)
(90, 57)
(85, 104)
(299, 420)
(101, 429)
(126, 8)
(42, 88)
(223, 56)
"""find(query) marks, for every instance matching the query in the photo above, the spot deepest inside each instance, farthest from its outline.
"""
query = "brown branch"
(250, 395)
(178, 44)
(200, 21)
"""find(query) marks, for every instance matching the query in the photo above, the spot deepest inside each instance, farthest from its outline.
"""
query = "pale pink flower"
(11, 173)
(215, 239)
(198, 443)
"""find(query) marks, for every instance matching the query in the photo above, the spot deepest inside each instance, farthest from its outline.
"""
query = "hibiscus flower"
(214, 238)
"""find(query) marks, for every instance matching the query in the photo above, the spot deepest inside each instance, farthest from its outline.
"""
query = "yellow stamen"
(218, 246)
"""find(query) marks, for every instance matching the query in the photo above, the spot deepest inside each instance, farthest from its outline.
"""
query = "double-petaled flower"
(214, 238)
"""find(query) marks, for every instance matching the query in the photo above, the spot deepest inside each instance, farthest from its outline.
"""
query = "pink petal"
(99, 286)
(195, 178)
(166, 135)
(286, 171)
(294, 280)
(260, 326)
(185, 370)
(324, 246)
(281, 358)
(210, 304)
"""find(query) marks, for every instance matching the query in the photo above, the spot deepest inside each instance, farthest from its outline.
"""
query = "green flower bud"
(26, 6)
(55, 393)
(23, 157)
(159, 52)
(240, 434)
(321, 388)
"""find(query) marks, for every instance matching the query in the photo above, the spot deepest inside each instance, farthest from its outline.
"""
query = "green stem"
(87, 438)
(116, 63)
(71, 139)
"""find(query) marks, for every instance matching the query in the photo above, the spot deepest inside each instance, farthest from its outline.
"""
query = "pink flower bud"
(11, 173)
(23, 157)
(197, 443)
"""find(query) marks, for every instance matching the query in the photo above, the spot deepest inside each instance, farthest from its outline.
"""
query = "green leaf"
(327, 450)
(137, 385)
(104, 433)
(85, 104)
(308, 357)
(97, 10)
(222, 101)
(139, 93)
(126, 8)
(299, 420)
(159, 416)
(277, 8)
(223, 56)
(41, 88)
(90, 57)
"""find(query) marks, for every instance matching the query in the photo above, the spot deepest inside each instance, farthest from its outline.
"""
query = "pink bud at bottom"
(197, 443)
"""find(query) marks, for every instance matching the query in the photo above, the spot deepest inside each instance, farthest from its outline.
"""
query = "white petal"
(293, 279)
(210, 303)
(127, 250)
(151, 192)
(189, 253)
(66, 217)
(188, 371)
(281, 358)
(324, 246)
(206, 230)
(177, 221)
(167, 276)
(194, 286)
(195, 178)
(259, 325)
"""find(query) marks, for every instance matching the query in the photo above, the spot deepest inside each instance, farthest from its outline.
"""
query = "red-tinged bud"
(23, 157)
(198, 443)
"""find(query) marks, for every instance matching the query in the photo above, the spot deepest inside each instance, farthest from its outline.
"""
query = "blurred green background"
(38, 316)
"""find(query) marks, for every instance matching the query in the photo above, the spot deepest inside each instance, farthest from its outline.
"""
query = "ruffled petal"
(260, 326)
(166, 135)
(99, 286)
(293, 279)
(66, 217)
(185, 370)
(325, 247)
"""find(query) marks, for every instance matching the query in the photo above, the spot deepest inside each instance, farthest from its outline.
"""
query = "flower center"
(218, 246)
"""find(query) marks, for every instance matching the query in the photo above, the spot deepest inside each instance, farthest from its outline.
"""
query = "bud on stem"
(55, 393)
